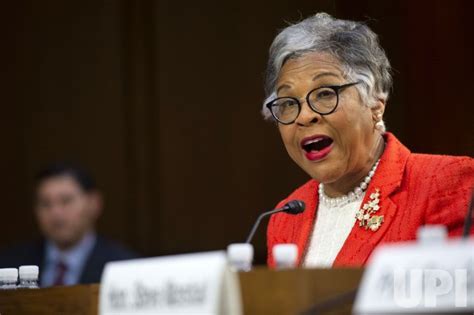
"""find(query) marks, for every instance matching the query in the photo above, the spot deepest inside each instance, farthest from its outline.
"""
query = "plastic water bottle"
(28, 277)
(432, 234)
(240, 256)
(8, 278)
(285, 256)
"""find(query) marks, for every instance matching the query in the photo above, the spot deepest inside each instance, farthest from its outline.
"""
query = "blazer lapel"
(304, 224)
(361, 242)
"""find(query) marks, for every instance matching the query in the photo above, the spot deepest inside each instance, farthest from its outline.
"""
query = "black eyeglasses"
(322, 100)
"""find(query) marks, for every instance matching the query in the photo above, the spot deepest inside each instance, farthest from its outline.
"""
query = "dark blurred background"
(160, 100)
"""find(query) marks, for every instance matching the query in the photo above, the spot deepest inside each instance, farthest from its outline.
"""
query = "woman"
(327, 85)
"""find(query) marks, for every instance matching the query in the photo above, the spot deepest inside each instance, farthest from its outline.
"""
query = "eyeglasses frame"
(336, 88)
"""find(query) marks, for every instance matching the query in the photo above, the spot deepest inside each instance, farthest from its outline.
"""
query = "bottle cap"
(240, 252)
(29, 272)
(285, 255)
(432, 234)
(9, 274)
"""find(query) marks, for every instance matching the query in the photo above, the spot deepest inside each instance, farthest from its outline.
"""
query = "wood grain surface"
(263, 291)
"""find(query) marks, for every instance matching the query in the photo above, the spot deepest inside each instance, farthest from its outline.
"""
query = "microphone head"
(294, 207)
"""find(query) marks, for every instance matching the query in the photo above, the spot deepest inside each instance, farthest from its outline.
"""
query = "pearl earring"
(379, 125)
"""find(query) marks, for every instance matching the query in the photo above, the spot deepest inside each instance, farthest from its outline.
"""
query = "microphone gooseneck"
(291, 207)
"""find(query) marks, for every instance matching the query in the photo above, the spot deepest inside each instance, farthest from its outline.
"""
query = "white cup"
(285, 255)
(432, 234)
(240, 256)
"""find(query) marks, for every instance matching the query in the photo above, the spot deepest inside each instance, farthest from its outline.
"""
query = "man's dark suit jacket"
(33, 254)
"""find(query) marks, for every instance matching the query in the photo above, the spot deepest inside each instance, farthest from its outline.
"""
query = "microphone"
(292, 207)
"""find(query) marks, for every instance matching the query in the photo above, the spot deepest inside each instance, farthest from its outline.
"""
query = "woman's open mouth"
(316, 147)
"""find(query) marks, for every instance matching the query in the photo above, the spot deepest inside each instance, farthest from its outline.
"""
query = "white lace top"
(331, 229)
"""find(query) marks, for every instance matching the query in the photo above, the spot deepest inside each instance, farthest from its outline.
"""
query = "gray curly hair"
(352, 43)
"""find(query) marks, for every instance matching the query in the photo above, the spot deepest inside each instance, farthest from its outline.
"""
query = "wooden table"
(293, 291)
(263, 292)
(73, 300)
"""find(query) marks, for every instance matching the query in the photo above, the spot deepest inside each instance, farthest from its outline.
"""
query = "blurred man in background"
(67, 206)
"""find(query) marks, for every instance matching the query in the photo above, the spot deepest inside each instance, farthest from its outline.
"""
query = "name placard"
(182, 284)
(419, 278)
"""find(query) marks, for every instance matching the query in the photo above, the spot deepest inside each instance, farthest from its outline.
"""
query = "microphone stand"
(468, 220)
(260, 217)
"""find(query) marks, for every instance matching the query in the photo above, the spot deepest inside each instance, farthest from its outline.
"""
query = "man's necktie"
(61, 269)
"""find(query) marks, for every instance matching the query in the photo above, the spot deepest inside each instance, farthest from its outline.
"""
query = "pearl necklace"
(354, 195)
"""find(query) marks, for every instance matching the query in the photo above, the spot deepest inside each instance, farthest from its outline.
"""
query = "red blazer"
(415, 189)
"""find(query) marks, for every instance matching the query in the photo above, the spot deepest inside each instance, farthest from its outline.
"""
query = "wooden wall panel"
(67, 98)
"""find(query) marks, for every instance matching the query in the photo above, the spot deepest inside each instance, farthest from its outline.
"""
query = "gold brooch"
(366, 216)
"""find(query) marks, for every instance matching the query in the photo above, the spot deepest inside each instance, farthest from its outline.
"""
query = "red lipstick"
(316, 147)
